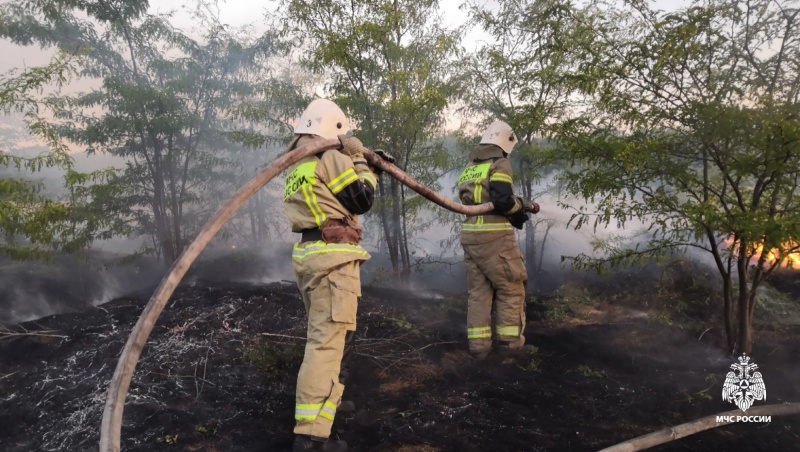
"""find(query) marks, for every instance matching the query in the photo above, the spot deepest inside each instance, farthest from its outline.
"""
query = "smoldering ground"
(219, 369)
(34, 289)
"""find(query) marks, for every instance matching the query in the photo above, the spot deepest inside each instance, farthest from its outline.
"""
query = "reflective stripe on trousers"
(486, 331)
(310, 411)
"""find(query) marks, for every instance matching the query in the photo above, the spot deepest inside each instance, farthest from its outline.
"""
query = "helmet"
(500, 134)
(324, 118)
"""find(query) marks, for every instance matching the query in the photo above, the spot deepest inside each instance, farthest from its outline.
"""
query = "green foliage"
(33, 222)
(558, 311)
(532, 365)
(773, 305)
(168, 104)
(693, 133)
(168, 439)
(393, 70)
(588, 372)
(528, 76)
(398, 323)
(206, 431)
(273, 360)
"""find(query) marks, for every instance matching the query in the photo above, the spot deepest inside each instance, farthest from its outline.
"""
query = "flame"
(790, 259)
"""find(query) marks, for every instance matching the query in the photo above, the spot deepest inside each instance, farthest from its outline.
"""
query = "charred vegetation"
(616, 358)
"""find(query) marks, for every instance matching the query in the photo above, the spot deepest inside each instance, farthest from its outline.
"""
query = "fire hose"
(668, 434)
(120, 382)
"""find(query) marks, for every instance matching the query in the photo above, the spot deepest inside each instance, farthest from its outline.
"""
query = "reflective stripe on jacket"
(321, 187)
(488, 179)
(325, 186)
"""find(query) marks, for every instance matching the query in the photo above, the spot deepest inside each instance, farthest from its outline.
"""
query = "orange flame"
(790, 259)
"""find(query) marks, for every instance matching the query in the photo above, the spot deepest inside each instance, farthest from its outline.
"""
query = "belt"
(311, 235)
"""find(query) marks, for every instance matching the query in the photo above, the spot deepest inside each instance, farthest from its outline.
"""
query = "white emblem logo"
(741, 387)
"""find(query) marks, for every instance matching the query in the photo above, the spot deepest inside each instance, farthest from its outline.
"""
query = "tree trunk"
(251, 211)
(530, 227)
(544, 242)
(745, 326)
(406, 272)
(530, 252)
(730, 327)
(385, 205)
(175, 202)
(162, 223)
(395, 220)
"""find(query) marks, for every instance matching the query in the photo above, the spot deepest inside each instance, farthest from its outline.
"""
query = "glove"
(518, 218)
(529, 206)
(384, 155)
(352, 147)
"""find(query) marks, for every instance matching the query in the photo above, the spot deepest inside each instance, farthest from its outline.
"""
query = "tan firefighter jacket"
(318, 188)
(488, 178)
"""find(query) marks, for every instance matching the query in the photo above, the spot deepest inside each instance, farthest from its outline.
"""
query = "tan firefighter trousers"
(331, 300)
(495, 271)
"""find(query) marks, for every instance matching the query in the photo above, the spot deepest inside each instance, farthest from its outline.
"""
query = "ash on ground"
(219, 370)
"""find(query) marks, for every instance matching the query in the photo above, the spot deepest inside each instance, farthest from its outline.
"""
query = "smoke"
(31, 290)
(267, 263)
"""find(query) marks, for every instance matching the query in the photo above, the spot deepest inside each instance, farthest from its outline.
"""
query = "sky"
(233, 12)
(242, 12)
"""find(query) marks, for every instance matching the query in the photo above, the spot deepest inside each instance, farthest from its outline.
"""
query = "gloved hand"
(352, 147)
(529, 206)
(518, 218)
(385, 155)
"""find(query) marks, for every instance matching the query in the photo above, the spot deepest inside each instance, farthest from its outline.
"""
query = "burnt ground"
(615, 360)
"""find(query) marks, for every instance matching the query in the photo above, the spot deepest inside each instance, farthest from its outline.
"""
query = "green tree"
(34, 219)
(262, 123)
(694, 131)
(393, 70)
(165, 103)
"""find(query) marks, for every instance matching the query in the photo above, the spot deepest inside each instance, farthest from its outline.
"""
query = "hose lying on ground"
(118, 388)
(706, 423)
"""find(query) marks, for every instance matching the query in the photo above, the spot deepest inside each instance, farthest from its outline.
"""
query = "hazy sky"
(232, 12)
(242, 12)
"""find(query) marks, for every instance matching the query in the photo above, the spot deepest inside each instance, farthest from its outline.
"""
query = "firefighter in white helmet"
(323, 196)
(495, 269)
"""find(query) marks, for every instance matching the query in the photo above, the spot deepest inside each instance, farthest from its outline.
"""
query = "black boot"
(303, 443)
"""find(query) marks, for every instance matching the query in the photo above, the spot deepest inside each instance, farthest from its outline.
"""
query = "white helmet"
(500, 133)
(324, 118)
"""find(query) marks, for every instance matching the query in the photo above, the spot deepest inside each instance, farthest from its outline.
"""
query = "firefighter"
(323, 196)
(495, 269)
